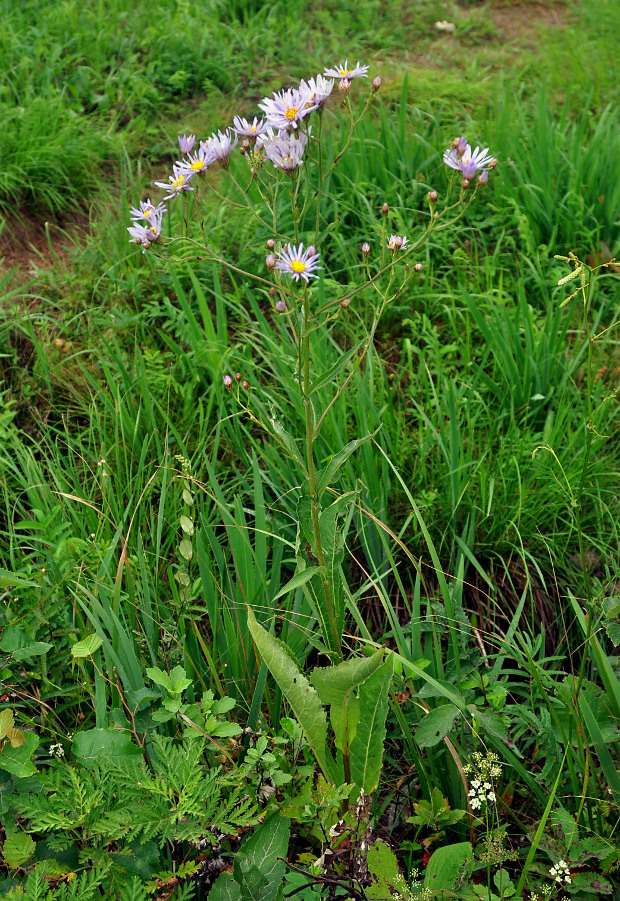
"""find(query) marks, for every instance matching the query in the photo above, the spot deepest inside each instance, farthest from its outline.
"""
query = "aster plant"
(278, 165)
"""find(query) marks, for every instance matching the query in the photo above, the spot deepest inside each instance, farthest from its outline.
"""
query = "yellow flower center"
(197, 165)
(253, 128)
(147, 213)
(291, 113)
(344, 73)
(178, 181)
(298, 266)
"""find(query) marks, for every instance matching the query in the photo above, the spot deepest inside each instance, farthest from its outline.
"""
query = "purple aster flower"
(177, 182)
(186, 143)
(287, 108)
(396, 243)
(298, 263)
(220, 145)
(280, 306)
(144, 234)
(228, 381)
(285, 150)
(249, 129)
(469, 163)
(343, 71)
(199, 162)
(148, 211)
(318, 90)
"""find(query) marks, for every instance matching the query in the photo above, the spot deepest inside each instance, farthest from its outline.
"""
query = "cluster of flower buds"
(468, 162)
(228, 381)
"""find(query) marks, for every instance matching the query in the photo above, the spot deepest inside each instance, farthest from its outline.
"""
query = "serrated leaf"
(225, 888)
(86, 647)
(435, 725)
(16, 737)
(303, 699)
(159, 677)
(382, 869)
(17, 849)
(187, 525)
(93, 744)
(18, 760)
(186, 549)
(367, 746)
(260, 864)
(336, 686)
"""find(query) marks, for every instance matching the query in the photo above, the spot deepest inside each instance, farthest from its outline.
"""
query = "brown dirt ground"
(521, 21)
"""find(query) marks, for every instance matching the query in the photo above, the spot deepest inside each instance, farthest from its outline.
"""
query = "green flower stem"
(314, 499)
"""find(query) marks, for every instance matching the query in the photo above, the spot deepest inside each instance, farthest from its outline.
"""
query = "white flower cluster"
(561, 872)
(485, 769)
(57, 750)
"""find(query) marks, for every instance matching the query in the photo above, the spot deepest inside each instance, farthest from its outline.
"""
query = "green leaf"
(303, 699)
(18, 761)
(186, 549)
(333, 371)
(449, 867)
(159, 677)
(260, 864)
(187, 525)
(9, 580)
(16, 642)
(36, 649)
(6, 722)
(225, 888)
(383, 870)
(92, 744)
(17, 849)
(86, 647)
(436, 725)
(367, 746)
(336, 685)
(300, 578)
(325, 477)
(188, 497)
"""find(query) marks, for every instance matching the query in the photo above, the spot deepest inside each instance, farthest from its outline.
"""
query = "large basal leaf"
(449, 867)
(260, 864)
(18, 760)
(366, 749)
(302, 697)
(436, 725)
(92, 744)
(336, 687)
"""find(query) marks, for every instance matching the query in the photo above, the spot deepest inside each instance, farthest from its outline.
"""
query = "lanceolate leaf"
(303, 699)
(333, 371)
(300, 578)
(336, 687)
(330, 471)
(367, 746)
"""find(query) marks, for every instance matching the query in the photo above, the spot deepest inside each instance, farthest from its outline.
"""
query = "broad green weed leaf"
(325, 478)
(367, 746)
(436, 725)
(303, 699)
(86, 647)
(17, 849)
(93, 744)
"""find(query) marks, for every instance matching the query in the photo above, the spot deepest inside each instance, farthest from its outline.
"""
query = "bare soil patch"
(34, 244)
(520, 22)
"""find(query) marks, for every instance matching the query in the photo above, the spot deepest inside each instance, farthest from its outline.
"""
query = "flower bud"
(238, 376)
(483, 177)
(432, 196)
(270, 262)
(461, 147)
(227, 381)
(270, 243)
(418, 267)
(465, 183)
(311, 251)
(376, 83)
(345, 302)
(366, 249)
(492, 164)
(280, 306)
(385, 209)
(272, 292)
(245, 385)
(344, 86)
